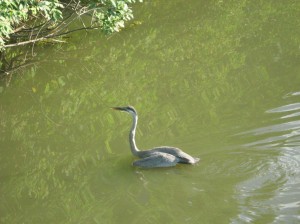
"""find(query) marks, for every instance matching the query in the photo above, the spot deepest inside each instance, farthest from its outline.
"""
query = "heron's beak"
(118, 108)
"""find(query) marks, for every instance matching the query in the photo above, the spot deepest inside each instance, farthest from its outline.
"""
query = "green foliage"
(117, 12)
(14, 13)
(18, 15)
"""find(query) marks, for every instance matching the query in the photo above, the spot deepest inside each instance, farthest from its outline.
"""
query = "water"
(219, 80)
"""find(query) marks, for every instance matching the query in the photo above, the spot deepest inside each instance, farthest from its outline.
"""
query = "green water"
(221, 80)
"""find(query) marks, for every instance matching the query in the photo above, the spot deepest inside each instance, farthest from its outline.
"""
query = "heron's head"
(128, 109)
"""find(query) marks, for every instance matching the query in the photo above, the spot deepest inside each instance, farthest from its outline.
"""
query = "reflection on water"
(288, 108)
(198, 75)
(273, 191)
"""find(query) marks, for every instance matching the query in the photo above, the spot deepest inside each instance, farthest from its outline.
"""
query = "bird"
(163, 156)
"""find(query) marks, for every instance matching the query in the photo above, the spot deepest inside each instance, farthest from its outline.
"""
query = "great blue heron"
(163, 156)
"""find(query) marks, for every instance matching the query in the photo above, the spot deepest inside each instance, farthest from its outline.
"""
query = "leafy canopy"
(31, 15)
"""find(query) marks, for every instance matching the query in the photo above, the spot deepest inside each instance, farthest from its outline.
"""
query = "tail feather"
(189, 161)
(196, 160)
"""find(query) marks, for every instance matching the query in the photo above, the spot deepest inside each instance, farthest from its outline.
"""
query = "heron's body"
(163, 156)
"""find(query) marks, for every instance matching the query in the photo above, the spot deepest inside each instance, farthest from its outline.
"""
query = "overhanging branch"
(51, 36)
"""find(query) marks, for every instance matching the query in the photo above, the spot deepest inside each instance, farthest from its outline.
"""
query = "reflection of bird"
(163, 156)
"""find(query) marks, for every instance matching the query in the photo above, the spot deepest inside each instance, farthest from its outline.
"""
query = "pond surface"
(221, 80)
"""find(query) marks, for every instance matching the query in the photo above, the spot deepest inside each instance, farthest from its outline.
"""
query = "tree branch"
(50, 36)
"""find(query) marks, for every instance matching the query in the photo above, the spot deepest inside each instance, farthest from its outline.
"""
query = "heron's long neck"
(133, 147)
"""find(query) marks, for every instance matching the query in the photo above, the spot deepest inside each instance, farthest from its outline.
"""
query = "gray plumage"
(157, 159)
(163, 156)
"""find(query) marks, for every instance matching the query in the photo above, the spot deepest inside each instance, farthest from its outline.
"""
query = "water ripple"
(273, 189)
(286, 108)
(283, 127)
